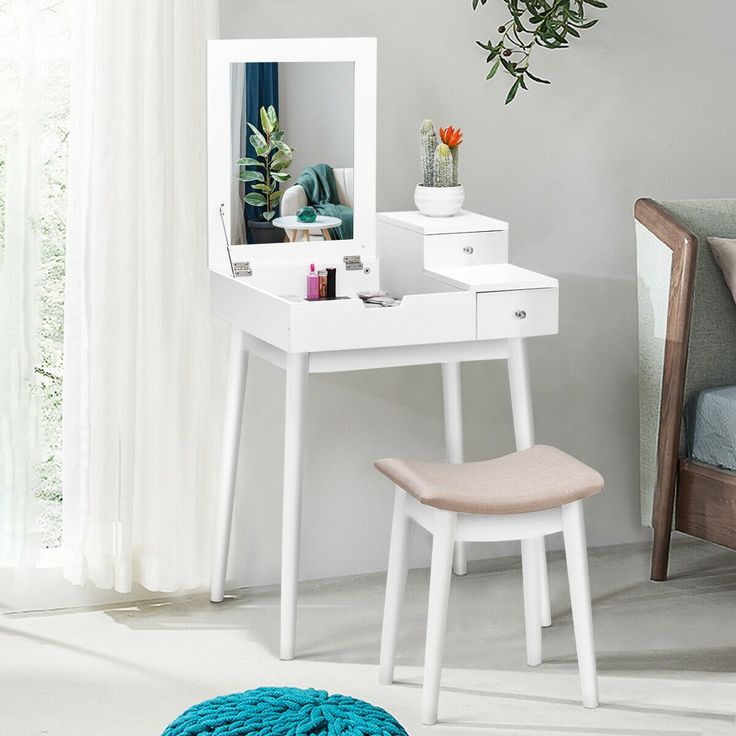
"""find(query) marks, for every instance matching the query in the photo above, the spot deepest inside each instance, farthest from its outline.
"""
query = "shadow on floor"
(640, 626)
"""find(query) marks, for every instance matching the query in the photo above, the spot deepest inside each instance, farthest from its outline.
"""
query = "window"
(34, 128)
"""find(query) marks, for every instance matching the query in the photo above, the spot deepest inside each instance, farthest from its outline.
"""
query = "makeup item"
(382, 301)
(322, 283)
(367, 295)
(312, 284)
(331, 283)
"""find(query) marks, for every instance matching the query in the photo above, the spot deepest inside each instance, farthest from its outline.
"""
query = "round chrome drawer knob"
(520, 313)
(468, 249)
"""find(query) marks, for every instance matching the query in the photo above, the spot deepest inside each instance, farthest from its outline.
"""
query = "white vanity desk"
(461, 300)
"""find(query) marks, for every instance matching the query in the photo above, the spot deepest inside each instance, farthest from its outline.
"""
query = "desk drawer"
(465, 249)
(520, 313)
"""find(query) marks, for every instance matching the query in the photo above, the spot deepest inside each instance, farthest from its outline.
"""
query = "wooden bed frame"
(702, 497)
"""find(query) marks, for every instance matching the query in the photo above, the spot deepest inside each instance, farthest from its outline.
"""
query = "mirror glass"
(292, 152)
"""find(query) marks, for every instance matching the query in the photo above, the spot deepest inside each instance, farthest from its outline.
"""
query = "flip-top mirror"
(291, 150)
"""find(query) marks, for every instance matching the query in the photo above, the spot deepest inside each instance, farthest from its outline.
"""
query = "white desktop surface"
(492, 277)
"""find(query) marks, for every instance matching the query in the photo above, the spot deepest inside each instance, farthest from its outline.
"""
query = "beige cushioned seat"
(541, 477)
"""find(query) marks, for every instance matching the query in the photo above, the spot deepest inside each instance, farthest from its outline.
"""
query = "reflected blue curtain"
(261, 90)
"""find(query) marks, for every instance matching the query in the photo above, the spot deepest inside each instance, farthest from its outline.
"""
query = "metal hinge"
(242, 268)
(352, 263)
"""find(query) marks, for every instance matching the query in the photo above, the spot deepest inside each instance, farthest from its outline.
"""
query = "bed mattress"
(710, 427)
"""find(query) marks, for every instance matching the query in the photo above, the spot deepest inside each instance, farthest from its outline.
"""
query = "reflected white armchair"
(295, 197)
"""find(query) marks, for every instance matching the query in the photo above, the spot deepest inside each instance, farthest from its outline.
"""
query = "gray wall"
(316, 111)
(642, 105)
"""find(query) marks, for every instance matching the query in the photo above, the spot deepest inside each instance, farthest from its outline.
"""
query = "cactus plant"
(428, 145)
(443, 166)
(439, 194)
(448, 141)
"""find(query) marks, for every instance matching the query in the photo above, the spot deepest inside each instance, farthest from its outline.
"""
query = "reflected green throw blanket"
(318, 182)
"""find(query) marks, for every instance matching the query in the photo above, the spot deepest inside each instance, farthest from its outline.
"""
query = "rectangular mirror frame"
(220, 55)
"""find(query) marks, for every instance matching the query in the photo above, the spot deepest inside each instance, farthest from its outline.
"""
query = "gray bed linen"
(710, 426)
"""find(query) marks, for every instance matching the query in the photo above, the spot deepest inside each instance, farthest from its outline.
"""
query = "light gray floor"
(666, 653)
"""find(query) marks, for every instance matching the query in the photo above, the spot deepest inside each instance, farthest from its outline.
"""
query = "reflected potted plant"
(439, 194)
(266, 173)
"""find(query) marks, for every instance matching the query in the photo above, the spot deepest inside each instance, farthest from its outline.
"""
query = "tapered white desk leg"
(236, 377)
(521, 406)
(453, 404)
(297, 367)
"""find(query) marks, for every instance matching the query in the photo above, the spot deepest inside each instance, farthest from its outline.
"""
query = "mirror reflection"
(292, 152)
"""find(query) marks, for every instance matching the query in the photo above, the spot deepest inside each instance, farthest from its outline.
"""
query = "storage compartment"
(410, 245)
(465, 249)
(349, 324)
(517, 313)
(296, 325)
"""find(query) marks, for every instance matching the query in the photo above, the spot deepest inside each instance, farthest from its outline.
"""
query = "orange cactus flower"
(451, 137)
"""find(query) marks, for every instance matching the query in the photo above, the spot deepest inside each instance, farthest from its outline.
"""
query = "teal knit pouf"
(284, 711)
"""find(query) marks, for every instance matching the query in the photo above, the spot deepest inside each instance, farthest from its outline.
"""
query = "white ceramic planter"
(439, 201)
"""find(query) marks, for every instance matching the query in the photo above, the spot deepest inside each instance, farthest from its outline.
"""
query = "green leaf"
(268, 216)
(262, 148)
(494, 69)
(263, 188)
(281, 158)
(272, 117)
(258, 136)
(266, 122)
(251, 176)
(257, 200)
(512, 92)
(284, 148)
(536, 79)
(249, 162)
(280, 177)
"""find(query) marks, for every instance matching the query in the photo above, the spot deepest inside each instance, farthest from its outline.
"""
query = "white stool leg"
(521, 407)
(439, 593)
(296, 383)
(236, 377)
(530, 571)
(544, 604)
(573, 528)
(453, 406)
(398, 566)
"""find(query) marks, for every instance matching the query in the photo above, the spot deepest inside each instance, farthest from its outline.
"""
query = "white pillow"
(724, 252)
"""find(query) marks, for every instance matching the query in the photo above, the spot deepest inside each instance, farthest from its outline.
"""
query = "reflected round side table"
(294, 228)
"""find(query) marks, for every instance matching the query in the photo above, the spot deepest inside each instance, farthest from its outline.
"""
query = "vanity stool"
(524, 496)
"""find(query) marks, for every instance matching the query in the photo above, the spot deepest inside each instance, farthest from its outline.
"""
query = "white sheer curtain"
(144, 362)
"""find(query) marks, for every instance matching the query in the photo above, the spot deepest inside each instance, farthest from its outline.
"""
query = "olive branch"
(547, 23)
